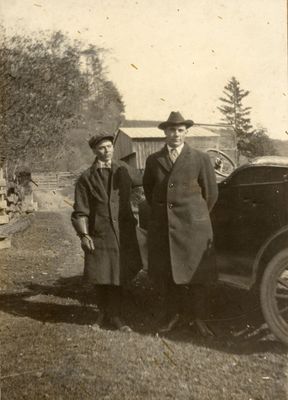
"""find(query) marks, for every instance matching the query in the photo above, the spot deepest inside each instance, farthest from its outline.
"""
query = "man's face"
(104, 150)
(175, 135)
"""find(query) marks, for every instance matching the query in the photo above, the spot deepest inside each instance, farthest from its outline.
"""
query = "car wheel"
(274, 295)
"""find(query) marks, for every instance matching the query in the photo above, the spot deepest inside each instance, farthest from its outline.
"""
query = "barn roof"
(155, 133)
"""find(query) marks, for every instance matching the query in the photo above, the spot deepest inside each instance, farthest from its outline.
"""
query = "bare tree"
(45, 91)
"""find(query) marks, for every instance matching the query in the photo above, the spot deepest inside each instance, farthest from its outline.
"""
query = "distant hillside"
(281, 147)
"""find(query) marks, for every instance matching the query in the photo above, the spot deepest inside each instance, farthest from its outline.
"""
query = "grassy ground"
(49, 349)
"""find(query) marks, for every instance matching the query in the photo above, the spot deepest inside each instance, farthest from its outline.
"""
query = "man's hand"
(87, 243)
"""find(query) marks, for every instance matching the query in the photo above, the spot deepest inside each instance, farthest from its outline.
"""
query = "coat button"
(170, 205)
(171, 185)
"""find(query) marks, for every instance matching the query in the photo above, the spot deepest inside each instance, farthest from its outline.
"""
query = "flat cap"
(94, 140)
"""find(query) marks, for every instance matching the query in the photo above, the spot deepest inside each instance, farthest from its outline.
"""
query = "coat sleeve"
(148, 180)
(207, 182)
(81, 201)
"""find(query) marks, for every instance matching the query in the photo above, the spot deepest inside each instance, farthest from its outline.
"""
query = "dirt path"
(50, 351)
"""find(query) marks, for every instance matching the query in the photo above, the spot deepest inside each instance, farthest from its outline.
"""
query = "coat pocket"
(199, 211)
(101, 225)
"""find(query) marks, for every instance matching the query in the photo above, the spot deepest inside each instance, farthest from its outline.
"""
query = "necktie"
(173, 155)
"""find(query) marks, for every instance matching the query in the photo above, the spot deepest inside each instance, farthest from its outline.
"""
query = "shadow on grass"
(234, 316)
(61, 305)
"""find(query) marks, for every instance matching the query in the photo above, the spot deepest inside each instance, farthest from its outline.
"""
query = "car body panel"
(250, 215)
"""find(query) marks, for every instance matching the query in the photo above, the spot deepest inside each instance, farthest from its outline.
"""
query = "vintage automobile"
(250, 222)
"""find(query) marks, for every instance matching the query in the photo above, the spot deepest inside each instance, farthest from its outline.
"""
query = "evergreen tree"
(250, 142)
(235, 113)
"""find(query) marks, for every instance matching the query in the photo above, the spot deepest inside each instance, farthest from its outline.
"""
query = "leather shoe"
(120, 325)
(203, 328)
(173, 322)
(99, 320)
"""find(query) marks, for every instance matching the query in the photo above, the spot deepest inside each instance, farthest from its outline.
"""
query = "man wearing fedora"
(180, 187)
(104, 221)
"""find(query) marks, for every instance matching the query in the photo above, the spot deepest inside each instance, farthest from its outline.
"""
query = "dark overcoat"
(180, 196)
(112, 226)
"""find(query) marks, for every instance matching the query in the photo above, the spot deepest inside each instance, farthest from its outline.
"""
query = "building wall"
(122, 146)
(144, 147)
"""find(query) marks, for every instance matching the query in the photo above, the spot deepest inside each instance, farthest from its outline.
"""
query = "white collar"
(103, 164)
(178, 149)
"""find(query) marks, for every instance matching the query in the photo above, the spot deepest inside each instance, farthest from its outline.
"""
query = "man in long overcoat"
(104, 221)
(180, 188)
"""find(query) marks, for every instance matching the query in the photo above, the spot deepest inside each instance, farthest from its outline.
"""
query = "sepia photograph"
(143, 199)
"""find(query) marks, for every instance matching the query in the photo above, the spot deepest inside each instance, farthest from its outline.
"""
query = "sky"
(169, 55)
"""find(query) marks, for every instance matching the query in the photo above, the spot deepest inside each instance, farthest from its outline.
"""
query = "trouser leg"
(109, 299)
(173, 305)
(173, 296)
(200, 308)
(114, 301)
(101, 297)
(200, 301)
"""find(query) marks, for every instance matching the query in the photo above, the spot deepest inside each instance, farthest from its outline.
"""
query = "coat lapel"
(96, 184)
(163, 159)
(97, 187)
(114, 167)
(186, 154)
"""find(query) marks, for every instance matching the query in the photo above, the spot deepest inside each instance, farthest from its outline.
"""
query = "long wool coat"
(112, 226)
(180, 196)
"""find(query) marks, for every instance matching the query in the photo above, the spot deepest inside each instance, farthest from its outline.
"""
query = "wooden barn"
(135, 144)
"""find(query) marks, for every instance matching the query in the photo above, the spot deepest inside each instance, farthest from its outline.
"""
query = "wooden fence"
(52, 180)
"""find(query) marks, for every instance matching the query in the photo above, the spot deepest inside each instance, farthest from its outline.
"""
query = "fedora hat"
(175, 118)
(94, 140)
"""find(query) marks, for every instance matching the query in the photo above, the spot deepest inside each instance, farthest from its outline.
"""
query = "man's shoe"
(173, 322)
(120, 325)
(203, 328)
(99, 320)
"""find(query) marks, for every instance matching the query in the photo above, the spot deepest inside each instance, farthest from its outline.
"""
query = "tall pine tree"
(250, 142)
(235, 113)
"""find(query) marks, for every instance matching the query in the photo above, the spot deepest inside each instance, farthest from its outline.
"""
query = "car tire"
(275, 270)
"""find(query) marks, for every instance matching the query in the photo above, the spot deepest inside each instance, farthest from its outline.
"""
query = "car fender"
(275, 243)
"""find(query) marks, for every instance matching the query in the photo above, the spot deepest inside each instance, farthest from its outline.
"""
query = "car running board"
(241, 282)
